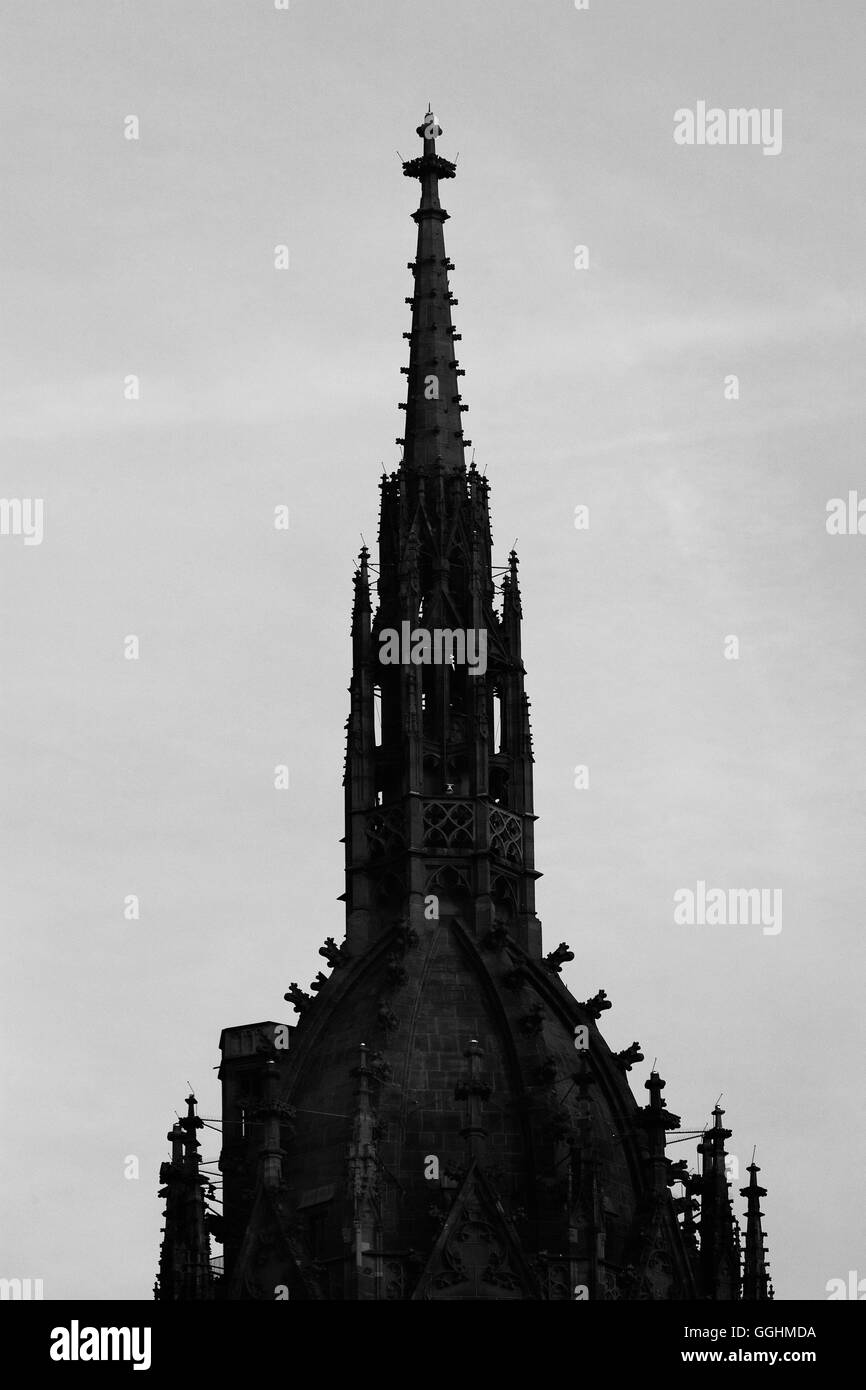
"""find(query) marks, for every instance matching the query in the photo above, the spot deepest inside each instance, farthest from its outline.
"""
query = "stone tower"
(445, 1120)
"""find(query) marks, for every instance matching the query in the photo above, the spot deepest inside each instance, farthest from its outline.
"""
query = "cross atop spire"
(428, 129)
(429, 163)
(189, 1125)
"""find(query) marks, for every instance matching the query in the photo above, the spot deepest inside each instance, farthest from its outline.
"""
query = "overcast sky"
(602, 386)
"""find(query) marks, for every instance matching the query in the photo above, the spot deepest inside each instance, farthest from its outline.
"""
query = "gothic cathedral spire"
(445, 1119)
(439, 758)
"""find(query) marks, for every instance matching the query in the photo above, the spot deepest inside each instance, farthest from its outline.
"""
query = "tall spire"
(184, 1261)
(434, 432)
(549, 1181)
(657, 1120)
(756, 1278)
(438, 775)
(720, 1254)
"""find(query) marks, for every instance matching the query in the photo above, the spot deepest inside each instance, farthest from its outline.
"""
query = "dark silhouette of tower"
(185, 1270)
(445, 1120)
(756, 1271)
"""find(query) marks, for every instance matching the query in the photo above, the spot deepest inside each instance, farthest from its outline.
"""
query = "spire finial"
(189, 1125)
(429, 129)
(433, 439)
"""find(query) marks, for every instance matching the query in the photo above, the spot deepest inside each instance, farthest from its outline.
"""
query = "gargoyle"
(335, 955)
(297, 997)
(596, 1006)
(629, 1055)
(677, 1172)
(556, 959)
(651, 1117)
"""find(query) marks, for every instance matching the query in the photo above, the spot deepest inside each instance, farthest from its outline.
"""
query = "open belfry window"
(498, 721)
(377, 715)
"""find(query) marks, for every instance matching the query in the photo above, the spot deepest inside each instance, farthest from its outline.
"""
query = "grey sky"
(602, 386)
